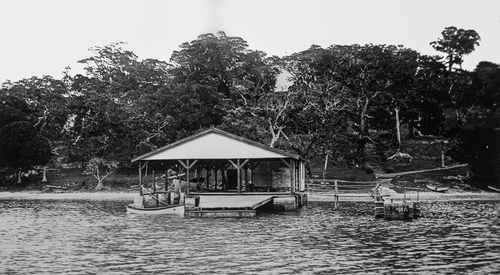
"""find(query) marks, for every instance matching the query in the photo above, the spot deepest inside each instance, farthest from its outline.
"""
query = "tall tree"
(317, 117)
(366, 76)
(456, 43)
(214, 74)
(116, 108)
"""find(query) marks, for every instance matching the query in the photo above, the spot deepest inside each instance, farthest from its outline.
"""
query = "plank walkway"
(234, 202)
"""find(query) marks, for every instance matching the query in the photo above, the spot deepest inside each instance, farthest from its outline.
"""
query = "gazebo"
(224, 163)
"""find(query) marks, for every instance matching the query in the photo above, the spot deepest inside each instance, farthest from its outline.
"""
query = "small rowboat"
(165, 210)
(437, 189)
(493, 188)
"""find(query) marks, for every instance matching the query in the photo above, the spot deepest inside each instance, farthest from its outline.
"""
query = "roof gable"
(215, 144)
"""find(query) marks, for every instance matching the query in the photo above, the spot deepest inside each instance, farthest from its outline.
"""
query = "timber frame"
(214, 167)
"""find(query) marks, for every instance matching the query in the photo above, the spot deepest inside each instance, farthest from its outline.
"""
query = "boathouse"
(225, 171)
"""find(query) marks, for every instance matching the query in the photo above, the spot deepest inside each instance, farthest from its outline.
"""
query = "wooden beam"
(183, 164)
(238, 165)
(286, 163)
(192, 164)
(234, 164)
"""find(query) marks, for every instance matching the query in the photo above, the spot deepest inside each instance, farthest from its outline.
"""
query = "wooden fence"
(342, 188)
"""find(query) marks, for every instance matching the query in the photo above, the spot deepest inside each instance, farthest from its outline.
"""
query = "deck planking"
(234, 202)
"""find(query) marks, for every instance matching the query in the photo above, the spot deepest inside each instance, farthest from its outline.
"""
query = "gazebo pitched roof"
(215, 144)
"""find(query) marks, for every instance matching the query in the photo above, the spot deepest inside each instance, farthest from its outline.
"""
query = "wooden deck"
(229, 205)
(234, 202)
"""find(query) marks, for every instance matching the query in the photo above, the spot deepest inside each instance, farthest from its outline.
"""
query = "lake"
(88, 237)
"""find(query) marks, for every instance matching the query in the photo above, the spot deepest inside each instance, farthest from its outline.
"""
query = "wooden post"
(292, 171)
(140, 178)
(44, 175)
(154, 181)
(216, 180)
(325, 167)
(187, 177)
(140, 183)
(336, 192)
(238, 166)
(252, 176)
(207, 176)
(166, 179)
(238, 171)
(302, 176)
(246, 178)
(155, 196)
(442, 153)
(187, 166)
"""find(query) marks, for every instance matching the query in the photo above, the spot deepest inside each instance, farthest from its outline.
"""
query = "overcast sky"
(42, 37)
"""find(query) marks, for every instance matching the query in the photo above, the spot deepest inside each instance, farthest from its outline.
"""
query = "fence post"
(336, 191)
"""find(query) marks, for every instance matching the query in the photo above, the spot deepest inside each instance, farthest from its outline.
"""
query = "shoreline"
(422, 197)
(34, 195)
(313, 197)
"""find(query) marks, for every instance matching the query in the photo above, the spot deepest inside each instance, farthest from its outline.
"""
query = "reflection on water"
(77, 237)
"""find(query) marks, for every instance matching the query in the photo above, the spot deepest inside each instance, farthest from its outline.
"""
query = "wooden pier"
(234, 206)
(390, 210)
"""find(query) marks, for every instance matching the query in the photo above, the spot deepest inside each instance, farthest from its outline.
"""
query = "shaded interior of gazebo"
(215, 161)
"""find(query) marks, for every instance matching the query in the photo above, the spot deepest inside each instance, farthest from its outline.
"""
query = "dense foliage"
(339, 99)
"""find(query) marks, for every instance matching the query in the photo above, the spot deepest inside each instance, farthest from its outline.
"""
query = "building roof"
(215, 144)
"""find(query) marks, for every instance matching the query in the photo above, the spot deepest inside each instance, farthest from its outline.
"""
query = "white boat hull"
(162, 210)
(437, 189)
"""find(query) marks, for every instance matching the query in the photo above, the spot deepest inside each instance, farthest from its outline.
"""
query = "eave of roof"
(220, 132)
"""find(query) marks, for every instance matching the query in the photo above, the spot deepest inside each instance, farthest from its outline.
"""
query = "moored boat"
(437, 189)
(165, 210)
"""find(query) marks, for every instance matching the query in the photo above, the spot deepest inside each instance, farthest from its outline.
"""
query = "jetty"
(342, 190)
(218, 174)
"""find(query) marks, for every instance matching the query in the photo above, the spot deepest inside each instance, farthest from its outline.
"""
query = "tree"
(475, 140)
(316, 119)
(22, 147)
(116, 109)
(215, 75)
(101, 168)
(46, 97)
(428, 98)
(13, 109)
(456, 43)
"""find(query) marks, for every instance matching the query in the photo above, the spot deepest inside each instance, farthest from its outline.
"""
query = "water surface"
(88, 237)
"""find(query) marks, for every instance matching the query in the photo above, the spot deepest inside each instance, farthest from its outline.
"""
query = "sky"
(43, 37)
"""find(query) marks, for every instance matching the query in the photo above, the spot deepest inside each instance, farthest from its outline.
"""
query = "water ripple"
(88, 237)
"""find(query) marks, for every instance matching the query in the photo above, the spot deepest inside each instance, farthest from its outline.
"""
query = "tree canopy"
(338, 100)
(456, 43)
